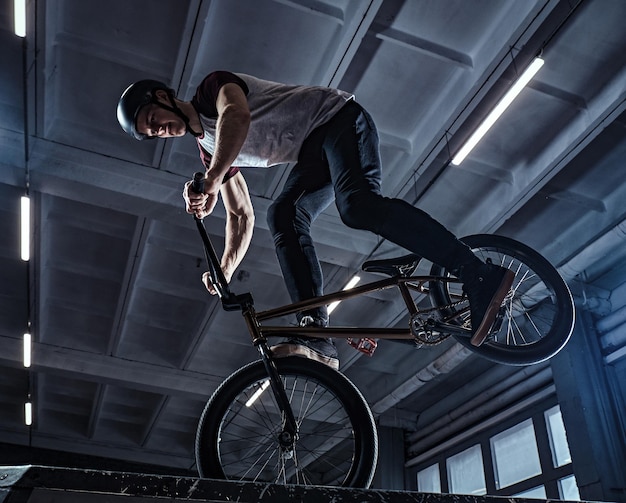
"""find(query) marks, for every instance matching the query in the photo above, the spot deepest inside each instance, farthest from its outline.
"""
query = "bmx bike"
(291, 420)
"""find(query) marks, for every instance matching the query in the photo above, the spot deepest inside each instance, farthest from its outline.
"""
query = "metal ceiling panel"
(128, 344)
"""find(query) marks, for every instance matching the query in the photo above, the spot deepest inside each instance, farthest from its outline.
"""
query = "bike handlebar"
(230, 301)
(197, 184)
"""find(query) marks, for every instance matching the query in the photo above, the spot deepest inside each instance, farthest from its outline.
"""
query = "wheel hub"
(285, 440)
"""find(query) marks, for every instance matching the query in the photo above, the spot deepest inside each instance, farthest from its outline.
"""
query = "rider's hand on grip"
(209, 282)
(195, 197)
(197, 185)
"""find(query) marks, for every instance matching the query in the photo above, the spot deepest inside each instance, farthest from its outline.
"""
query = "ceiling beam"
(111, 370)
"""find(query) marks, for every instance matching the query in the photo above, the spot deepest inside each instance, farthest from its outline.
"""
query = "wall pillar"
(589, 408)
(390, 470)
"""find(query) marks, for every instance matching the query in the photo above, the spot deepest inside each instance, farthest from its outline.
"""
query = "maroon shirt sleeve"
(204, 101)
(206, 94)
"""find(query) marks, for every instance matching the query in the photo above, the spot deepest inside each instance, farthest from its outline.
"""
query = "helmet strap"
(176, 109)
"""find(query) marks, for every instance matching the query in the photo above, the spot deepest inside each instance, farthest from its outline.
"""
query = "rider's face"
(153, 120)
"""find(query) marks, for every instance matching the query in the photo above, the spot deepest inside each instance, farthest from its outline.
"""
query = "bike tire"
(337, 439)
(539, 311)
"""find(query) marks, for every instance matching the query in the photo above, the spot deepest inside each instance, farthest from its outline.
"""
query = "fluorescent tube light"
(257, 393)
(353, 282)
(28, 413)
(27, 349)
(19, 17)
(25, 228)
(502, 105)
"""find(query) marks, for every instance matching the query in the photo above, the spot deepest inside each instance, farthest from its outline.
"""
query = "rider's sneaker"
(486, 287)
(318, 349)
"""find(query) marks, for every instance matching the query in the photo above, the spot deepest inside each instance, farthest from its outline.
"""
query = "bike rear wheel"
(537, 315)
(239, 432)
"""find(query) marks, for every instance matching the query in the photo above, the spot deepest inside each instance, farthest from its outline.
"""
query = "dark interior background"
(127, 343)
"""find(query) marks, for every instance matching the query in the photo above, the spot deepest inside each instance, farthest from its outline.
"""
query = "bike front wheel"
(239, 434)
(537, 316)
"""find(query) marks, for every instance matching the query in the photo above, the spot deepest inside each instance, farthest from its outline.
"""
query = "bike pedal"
(365, 345)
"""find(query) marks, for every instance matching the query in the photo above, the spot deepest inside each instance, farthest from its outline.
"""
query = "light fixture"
(28, 413)
(502, 105)
(258, 393)
(27, 349)
(351, 283)
(19, 17)
(25, 228)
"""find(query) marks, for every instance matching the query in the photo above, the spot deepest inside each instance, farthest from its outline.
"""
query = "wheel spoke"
(537, 313)
(252, 444)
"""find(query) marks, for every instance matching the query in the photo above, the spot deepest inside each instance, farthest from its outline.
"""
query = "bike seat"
(398, 266)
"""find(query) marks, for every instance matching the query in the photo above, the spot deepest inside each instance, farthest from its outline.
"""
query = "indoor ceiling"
(128, 345)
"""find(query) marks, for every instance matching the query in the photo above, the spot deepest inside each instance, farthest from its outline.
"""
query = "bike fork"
(289, 433)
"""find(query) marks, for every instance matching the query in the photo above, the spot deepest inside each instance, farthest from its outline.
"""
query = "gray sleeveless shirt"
(282, 116)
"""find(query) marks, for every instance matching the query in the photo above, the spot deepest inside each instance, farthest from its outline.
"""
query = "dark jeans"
(340, 160)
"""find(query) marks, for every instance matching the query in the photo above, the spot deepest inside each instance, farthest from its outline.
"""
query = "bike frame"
(259, 332)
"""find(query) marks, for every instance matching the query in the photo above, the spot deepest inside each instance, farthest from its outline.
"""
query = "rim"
(251, 445)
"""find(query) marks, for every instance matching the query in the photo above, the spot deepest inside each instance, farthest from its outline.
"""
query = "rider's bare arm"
(239, 224)
(231, 130)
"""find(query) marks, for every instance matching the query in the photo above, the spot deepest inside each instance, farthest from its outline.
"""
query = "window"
(465, 472)
(515, 454)
(568, 490)
(525, 457)
(558, 440)
(534, 493)
(428, 480)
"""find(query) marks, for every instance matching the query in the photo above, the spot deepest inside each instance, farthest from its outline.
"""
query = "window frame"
(549, 476)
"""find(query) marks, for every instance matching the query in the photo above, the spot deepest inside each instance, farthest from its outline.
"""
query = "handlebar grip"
(198, 182)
